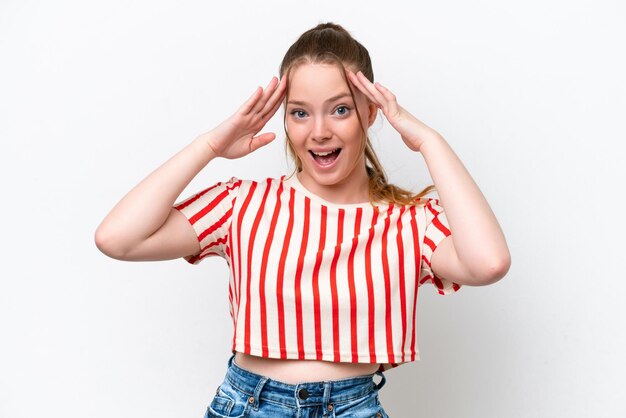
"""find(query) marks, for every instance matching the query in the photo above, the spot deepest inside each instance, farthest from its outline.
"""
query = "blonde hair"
(329, 43)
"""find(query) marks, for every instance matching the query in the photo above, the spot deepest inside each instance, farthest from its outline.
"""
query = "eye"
(342, 110)
(298, 114)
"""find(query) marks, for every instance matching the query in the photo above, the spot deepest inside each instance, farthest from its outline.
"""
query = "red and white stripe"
(314, 280)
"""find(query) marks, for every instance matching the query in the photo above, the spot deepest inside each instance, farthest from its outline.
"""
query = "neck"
(352, 189)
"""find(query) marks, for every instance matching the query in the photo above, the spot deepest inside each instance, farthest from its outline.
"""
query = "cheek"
(291, 127)
(353, 129)
(296, 132)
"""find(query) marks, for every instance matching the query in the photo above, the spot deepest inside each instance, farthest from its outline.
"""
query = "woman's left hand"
(413, 131)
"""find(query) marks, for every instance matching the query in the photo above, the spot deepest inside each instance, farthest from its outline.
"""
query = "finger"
(274, 103)
(268, 115)
(357, 82)
(392, 102)
(359, 85)
(277, 96)
(266, 95)
(379, 98)
(385, 92)
(249, 104)
(261, 140)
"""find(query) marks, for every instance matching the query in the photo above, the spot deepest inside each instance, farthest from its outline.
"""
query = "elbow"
(497, 268)
(108, 244)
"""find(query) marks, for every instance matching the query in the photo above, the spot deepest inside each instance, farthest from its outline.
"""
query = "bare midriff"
(300, 371)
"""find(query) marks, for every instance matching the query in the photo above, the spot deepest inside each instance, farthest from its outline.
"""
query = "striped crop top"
(311, 279)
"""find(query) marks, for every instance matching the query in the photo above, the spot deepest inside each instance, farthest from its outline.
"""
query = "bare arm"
(144, 225)
(146, 208)
(476, 252)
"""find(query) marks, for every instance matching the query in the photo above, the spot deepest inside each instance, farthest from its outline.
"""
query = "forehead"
(316, 81)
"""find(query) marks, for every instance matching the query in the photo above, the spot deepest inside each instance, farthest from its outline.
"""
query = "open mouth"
(326, 158)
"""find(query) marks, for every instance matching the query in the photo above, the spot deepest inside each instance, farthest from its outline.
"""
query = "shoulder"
(236, 182)
(243, 180)
(420, 204)
(424, 209)
(261, 180)
(428, 203)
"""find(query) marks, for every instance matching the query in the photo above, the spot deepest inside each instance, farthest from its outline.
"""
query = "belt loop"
(231, 359)
(257, 392)
(326, 405)
(382, 380)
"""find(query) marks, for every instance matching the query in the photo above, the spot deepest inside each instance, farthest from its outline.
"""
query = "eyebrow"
(332, 99)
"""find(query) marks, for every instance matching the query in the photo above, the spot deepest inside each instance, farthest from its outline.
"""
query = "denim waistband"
(302, 394)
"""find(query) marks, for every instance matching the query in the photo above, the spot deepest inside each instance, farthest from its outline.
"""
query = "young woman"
(325, 263)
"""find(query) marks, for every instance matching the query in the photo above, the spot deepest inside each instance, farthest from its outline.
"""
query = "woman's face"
(321, 118)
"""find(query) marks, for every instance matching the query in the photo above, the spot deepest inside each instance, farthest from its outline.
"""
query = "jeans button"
(303, 394)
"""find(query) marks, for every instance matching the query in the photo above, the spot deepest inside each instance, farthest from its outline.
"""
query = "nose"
(321, 130)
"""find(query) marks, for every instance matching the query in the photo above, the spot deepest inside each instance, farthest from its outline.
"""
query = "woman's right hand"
(235, 137)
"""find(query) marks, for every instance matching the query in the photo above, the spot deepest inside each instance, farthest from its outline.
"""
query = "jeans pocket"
(228, 402)
(366, 406)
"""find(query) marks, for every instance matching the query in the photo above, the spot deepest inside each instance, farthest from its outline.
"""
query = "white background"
(95, 95)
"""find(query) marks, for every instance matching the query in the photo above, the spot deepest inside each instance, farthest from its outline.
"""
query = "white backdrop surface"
(95, 95)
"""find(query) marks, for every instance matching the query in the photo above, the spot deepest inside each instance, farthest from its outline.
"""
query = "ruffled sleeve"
(209, 212)
(437, 230)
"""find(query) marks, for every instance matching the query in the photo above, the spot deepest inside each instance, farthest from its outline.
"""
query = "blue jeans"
(247, 394)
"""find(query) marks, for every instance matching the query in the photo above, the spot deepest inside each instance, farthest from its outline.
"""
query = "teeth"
(322, 154)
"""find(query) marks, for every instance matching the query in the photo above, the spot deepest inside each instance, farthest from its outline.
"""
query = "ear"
(373, 112)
